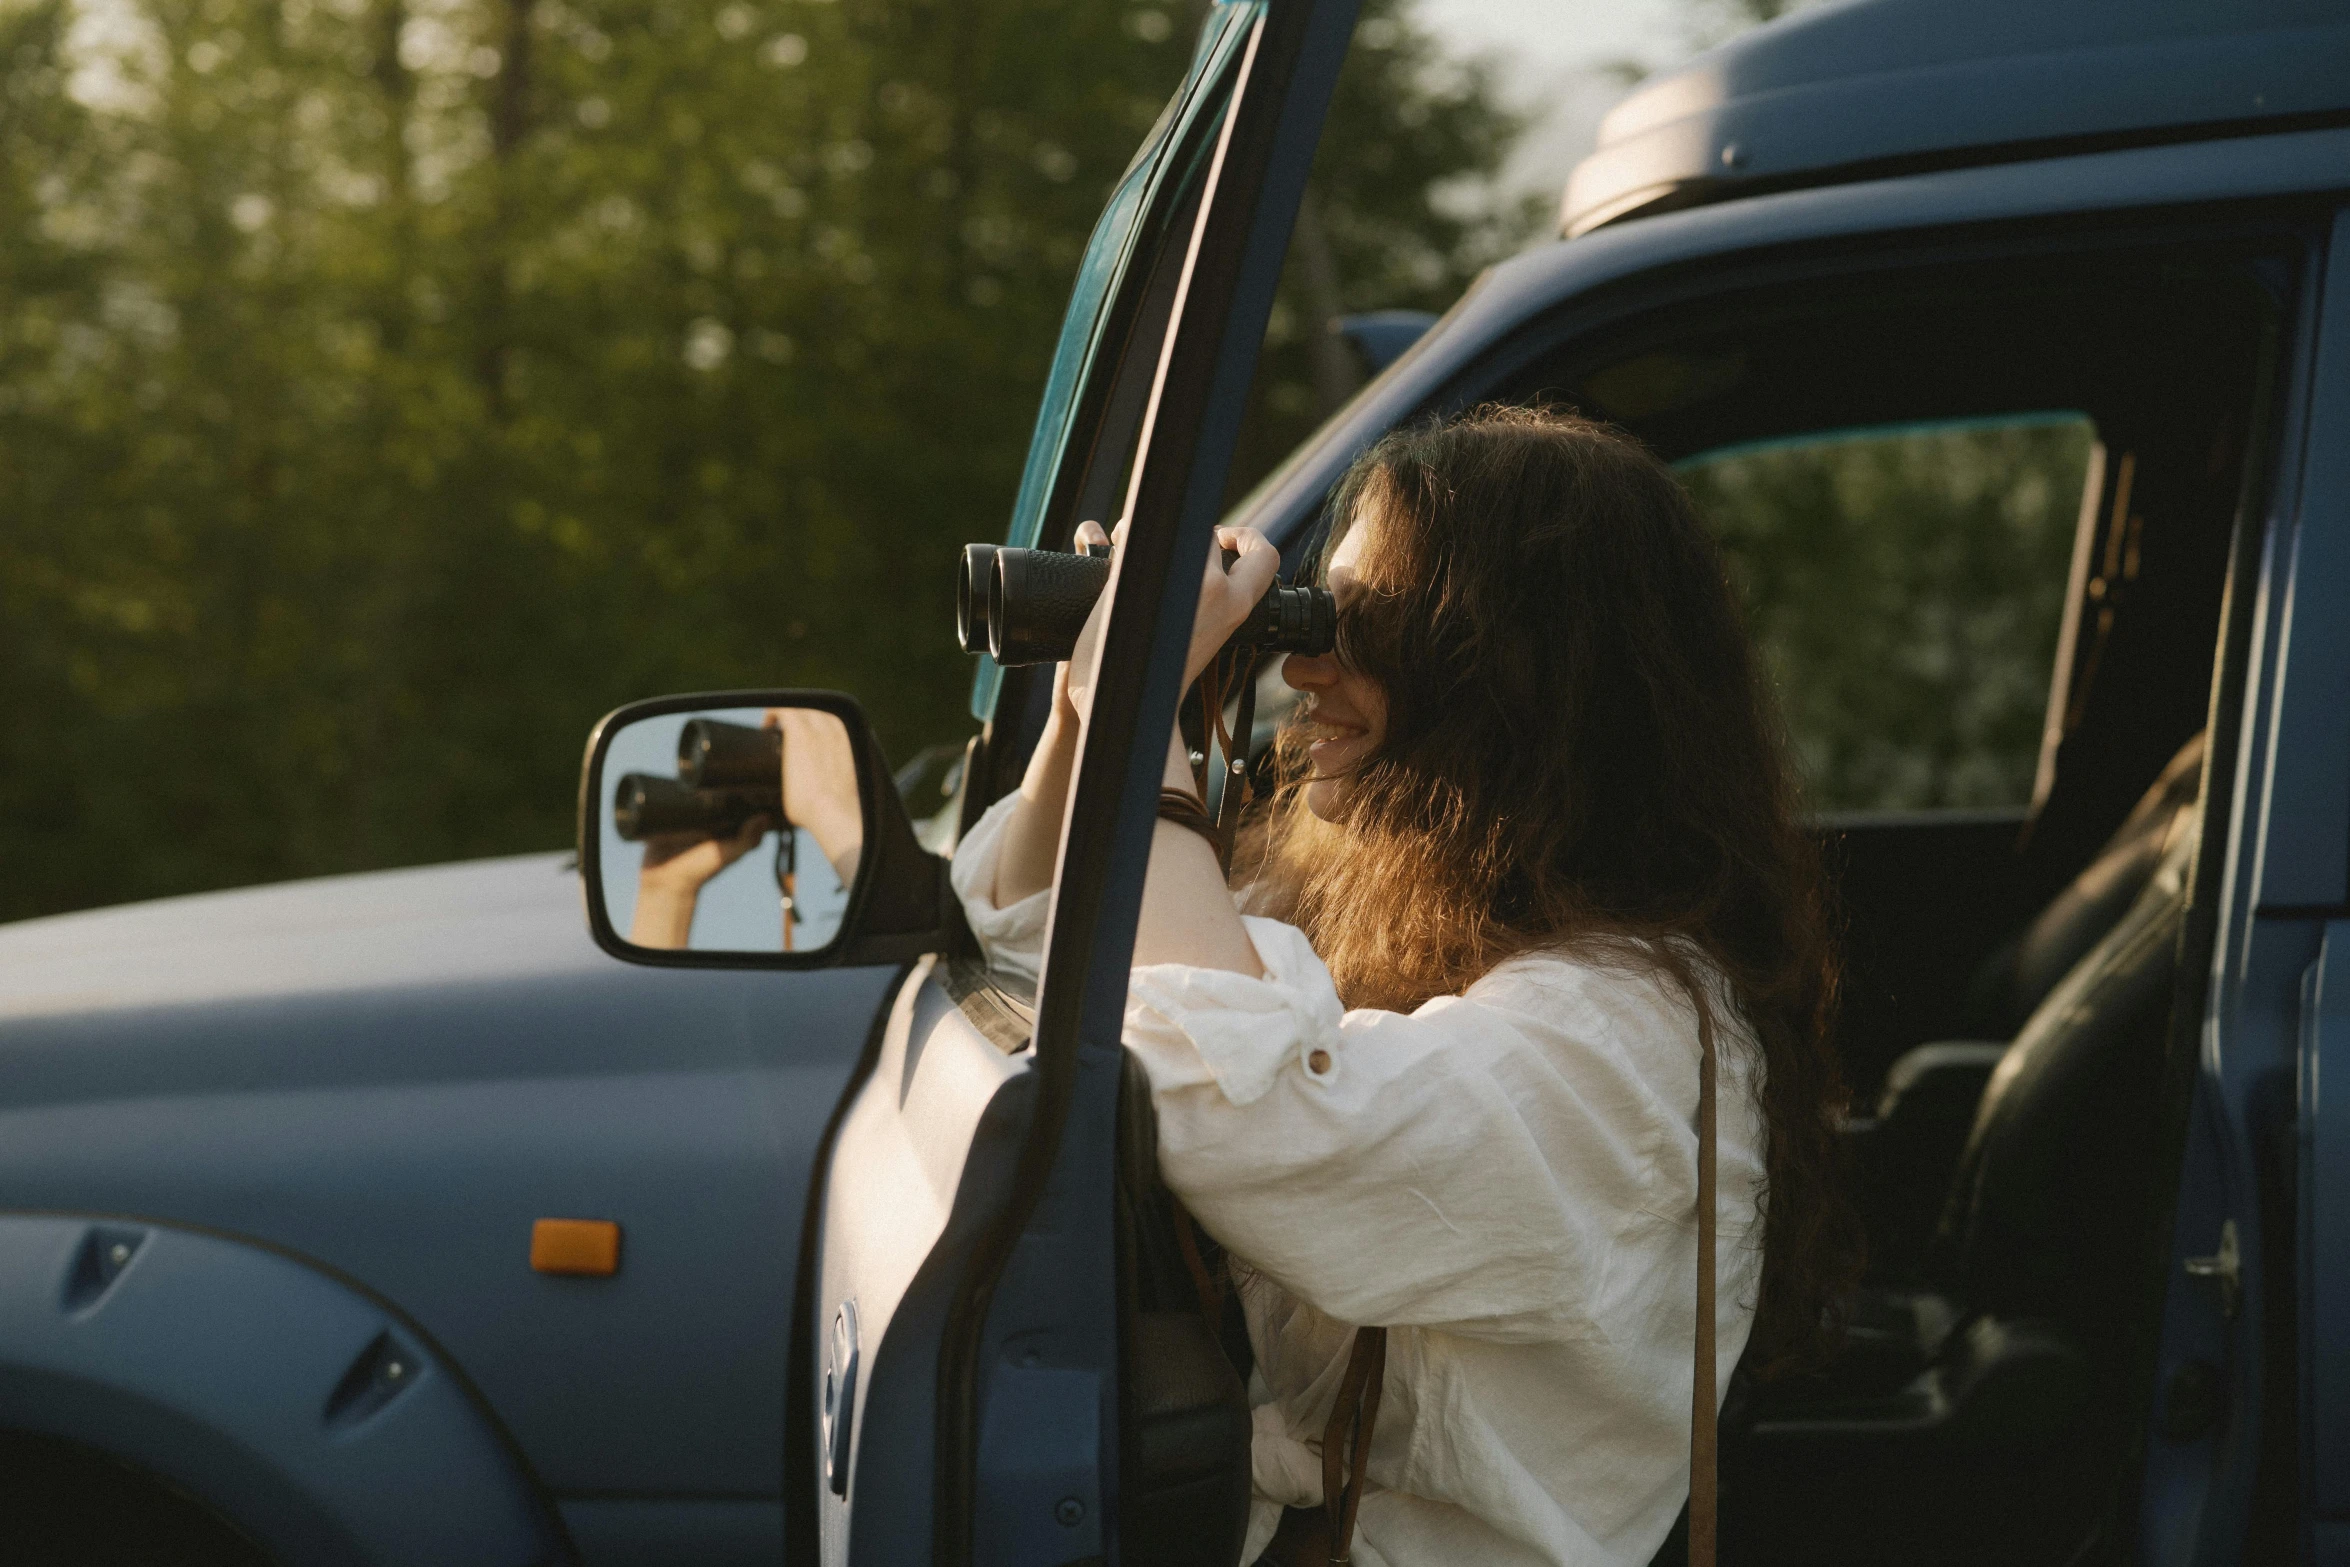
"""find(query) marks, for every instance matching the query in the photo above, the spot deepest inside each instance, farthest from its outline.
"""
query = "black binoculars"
(1027, 606)
(726, 774)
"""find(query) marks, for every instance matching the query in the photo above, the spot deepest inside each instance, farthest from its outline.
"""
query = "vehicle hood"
(394, 1076)
(434, 925)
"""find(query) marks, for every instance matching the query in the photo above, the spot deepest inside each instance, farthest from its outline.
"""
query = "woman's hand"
(1024, 865)
(1226, 596)
(1073, 681)
(669, 884)
(820, 784)
(1187, 912)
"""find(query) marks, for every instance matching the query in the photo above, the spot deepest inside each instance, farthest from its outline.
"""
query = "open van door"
(958, 1322)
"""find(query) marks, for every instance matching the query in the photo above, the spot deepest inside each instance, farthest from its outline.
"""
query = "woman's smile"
(1337, 744)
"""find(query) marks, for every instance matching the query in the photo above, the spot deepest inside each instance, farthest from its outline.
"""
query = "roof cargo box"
(1882, 87)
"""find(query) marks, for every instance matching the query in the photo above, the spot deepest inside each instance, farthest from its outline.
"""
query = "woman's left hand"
(1187, 912)
(1227, 596)
(1225, 599)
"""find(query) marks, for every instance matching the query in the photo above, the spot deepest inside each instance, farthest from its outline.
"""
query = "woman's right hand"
(669, 884)
(1074, 674)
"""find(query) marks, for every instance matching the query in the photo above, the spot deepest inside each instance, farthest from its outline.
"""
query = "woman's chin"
(1335, 753)
(1332, 760)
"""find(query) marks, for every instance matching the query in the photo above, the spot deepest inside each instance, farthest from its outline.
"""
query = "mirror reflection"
(731, 829)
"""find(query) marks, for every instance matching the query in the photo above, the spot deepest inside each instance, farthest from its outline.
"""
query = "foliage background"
(1904, 587)
(387, 387)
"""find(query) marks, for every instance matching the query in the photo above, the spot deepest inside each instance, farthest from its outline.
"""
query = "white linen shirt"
(1506, 1179)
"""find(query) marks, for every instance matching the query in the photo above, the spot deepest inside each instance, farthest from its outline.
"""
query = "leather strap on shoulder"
(1704, 1494)
(1346, 1441)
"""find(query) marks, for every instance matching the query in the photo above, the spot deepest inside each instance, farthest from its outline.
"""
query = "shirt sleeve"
(1011, 936)
(1473, 1165)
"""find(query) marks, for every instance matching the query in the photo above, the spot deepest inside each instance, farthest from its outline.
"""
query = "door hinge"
(2225, 1268)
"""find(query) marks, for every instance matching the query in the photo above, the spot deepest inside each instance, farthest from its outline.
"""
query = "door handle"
(840, 1396)
(2224, 1268)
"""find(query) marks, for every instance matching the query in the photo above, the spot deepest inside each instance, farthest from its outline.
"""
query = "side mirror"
(752, 829)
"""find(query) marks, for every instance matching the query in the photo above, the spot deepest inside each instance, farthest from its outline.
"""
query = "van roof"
(1868, 88)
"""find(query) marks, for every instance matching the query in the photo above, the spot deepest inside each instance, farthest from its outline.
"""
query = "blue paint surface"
(395, 1075)
(324, 1423)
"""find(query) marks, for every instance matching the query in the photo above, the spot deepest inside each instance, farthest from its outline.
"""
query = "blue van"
(392, 1219)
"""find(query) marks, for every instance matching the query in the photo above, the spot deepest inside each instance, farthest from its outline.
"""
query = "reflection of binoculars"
(726, 774)
(1027, 606)
(714, 754)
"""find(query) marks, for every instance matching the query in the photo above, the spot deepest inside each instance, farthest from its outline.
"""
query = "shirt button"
(1318, 1062)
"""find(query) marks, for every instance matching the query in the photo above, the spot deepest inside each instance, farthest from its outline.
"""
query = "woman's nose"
(1309, 671)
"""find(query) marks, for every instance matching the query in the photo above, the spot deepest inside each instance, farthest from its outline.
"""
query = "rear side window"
(1906, 585)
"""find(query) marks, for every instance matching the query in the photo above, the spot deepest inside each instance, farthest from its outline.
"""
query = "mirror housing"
(898, 903)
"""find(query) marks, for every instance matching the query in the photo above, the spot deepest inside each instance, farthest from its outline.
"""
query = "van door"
(2255, 1368)
(961, 1400)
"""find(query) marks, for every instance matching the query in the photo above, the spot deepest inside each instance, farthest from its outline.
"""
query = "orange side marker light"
(583, 1246)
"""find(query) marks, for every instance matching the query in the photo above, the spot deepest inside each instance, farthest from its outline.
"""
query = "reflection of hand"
(670, 883)
(820, 784)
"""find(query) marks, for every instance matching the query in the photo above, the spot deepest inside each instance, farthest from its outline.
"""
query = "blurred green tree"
(389, 386)
(1396, 216)
(1905, 587)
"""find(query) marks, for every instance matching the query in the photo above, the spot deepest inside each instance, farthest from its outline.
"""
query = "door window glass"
(1128, 236)
(1905, 586)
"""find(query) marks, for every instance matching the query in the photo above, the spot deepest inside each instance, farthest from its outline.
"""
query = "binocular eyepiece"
(726, 774)
(1027, 606)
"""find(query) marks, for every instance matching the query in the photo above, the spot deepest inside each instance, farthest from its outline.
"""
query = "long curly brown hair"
(1581, 753)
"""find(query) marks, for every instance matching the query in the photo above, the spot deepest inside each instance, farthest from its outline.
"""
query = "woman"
(1537, 843)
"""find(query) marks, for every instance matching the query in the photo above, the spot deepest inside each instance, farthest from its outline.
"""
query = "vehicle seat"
(2002, 1377)
(2010, 985)
(2046, 1213)
(1905, 1154)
